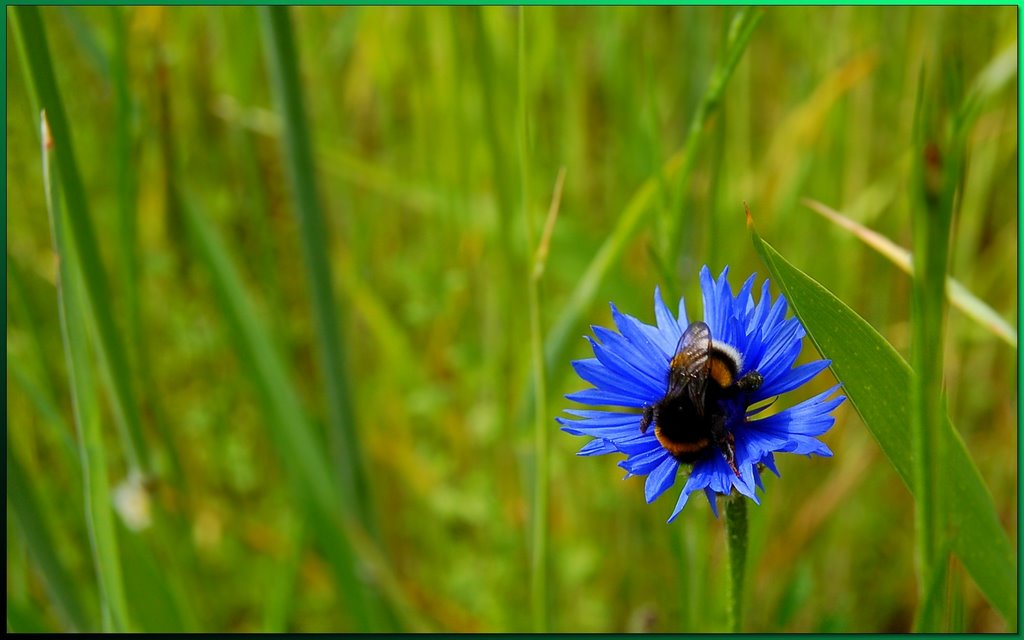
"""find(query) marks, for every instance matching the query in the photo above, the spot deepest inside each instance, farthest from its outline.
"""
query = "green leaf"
(877, 382)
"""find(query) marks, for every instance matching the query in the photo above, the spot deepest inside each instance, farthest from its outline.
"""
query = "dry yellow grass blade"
(959, 296)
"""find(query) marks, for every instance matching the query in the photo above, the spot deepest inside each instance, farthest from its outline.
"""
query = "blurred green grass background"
(433, 199)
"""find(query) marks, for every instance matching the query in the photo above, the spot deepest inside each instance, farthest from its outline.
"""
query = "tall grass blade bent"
(959, 296)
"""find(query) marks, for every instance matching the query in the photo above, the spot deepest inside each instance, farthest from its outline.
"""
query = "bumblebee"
(689, 421)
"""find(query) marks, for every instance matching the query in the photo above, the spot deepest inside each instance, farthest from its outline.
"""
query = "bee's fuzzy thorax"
(728, 351)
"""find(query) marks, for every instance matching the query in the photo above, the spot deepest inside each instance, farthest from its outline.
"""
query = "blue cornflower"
(631, 369)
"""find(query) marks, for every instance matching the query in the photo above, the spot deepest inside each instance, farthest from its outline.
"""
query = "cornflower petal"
(659, 480)
(667, 325)
(630, 369)
(597, 447)
(630, 328)
(624, 369)
(601, 397)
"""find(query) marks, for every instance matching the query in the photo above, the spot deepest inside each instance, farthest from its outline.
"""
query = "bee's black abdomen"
(690, 420)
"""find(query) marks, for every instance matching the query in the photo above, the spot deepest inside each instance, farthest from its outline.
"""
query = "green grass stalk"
(281, 592)
(936, 175)
(497, 325)
(34, 374)
(26, 509)
(541, 426)
(28, 30)
(676, 168)
(287, 423)
(924, 367)
(85, 407)
(741, 29)
(19, 304)
(125, 181)
(736, 527)
(542, 472)
(348, 548)
(283, 62)
(126, 178)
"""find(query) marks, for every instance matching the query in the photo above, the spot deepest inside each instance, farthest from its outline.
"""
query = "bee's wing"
(691, 365)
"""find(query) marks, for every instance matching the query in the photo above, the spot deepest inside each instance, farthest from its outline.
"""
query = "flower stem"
(736, 533)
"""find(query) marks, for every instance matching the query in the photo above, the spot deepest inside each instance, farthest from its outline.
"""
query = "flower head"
(706, 418)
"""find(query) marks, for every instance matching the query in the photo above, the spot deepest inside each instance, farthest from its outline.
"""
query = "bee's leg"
(645, 422)
(750, 382)
(725, 441)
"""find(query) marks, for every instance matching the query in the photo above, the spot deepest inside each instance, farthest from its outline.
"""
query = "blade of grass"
(955, 595)
(541, 462)
(289, 428)
(47, 520)
(676, 168)
(20, 303)
(18, 570)
(34, 374)
(24, 619)
(87, 43)
(877, 381)
(344, 165)
(741, 29)
(349, 549)
(997, 74)
(27, 27)
(154, 588)
(938, 177)
(124, 182)
(125, 163)
(284, 73)
(502, 270)
(557, 343)
(541, 427)
(487, 71)
(43, 402)
(281, 592)
(931, 222)
(959, 296)
(24, 504)
(85, 408)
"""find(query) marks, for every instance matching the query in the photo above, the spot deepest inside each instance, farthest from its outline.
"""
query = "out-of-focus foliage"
(413, 116)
